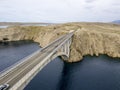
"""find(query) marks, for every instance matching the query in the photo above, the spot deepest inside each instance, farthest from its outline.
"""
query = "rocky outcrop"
(89, 38)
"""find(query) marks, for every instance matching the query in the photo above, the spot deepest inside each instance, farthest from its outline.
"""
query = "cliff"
(89, 38)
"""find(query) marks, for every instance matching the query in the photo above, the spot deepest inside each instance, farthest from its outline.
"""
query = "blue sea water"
(92, 73)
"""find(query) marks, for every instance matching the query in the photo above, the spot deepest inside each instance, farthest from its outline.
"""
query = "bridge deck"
(15, 74)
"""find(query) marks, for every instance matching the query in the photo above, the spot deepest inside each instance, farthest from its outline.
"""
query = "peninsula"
(89, 38)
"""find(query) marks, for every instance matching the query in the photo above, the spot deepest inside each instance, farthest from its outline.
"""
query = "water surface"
(3, 26)
(92, 73)
(15, 51)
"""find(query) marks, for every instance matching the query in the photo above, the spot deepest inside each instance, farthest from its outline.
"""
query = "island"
(88, 39)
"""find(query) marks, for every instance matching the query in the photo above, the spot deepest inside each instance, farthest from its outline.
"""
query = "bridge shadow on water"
(92, 73)
(66, 75)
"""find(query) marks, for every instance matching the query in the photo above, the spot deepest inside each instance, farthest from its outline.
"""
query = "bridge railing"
(10, 68)
(7, 70)
(59, 46)
(50, 44)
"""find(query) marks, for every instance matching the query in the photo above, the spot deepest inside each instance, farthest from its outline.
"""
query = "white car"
(4, 86)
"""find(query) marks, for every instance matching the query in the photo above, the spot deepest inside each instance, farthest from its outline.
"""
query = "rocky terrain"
(89, 38)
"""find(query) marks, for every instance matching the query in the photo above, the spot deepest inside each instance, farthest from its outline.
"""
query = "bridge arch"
(63, 55)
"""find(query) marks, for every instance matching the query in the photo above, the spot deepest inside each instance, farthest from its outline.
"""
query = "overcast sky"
(59, 10)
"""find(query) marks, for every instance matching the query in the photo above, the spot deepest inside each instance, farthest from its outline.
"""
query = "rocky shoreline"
(89, 38)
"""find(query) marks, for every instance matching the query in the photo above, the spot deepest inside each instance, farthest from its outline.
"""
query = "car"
(4, 87)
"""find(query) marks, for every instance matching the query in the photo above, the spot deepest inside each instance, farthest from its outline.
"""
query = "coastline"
(89, 38)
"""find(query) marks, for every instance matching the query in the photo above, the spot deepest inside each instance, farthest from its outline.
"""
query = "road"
(21, 70)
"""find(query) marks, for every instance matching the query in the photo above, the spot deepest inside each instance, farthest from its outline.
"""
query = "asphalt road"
(21, 70)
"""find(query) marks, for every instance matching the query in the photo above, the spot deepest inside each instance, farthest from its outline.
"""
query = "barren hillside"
(89, 38)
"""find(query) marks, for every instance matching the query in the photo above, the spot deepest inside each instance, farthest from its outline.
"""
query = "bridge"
(21, 73)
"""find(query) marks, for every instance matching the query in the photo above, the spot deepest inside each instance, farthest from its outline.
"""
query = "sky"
(59, 11)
